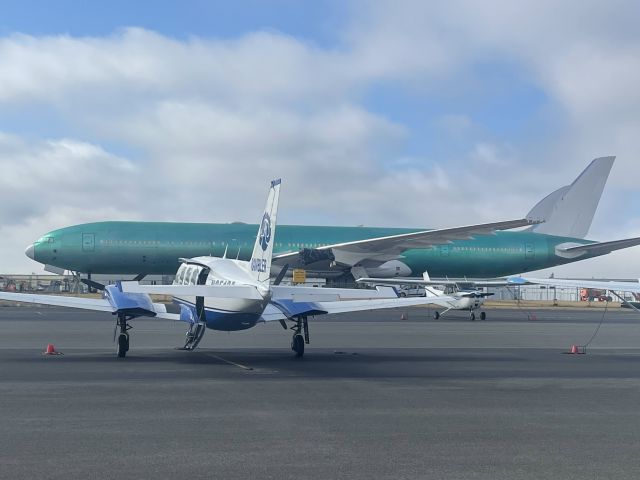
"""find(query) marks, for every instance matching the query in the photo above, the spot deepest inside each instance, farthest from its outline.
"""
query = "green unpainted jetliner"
(146, 248)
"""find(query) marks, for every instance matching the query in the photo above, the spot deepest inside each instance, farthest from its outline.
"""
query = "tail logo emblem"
(265, 232)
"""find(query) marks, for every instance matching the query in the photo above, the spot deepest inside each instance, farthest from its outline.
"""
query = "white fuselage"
(224, 313)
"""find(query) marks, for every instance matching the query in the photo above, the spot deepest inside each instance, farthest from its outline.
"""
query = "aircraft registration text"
(258, 265)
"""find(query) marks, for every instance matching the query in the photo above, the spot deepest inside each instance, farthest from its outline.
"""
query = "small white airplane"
(611, 286)
(230, 295)
(454, 294)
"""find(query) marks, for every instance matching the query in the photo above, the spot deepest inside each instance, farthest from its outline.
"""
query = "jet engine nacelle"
(390, 269)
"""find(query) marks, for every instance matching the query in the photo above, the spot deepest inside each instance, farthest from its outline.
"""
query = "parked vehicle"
(411, 291)
(591, 294)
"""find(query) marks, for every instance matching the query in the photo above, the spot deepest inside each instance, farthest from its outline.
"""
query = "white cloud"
(210, 121)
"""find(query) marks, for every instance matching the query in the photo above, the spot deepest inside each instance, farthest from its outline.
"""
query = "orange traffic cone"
(578, 349)
(403, 317)
(51, 350)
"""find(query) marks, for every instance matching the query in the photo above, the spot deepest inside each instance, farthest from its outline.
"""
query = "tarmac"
(374, 397)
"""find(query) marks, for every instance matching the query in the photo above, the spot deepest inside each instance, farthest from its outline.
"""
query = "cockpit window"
(194, 275)
(180, 275)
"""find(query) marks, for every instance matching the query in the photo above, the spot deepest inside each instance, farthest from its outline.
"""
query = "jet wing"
(420, 281)
(390, 247)
(598, 248)
(632, 287)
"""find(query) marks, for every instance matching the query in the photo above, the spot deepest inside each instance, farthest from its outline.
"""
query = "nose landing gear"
(194, 335)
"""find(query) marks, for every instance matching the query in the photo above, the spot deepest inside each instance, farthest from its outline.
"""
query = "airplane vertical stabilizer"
(260, 264)
(429, 290)
(569, 211)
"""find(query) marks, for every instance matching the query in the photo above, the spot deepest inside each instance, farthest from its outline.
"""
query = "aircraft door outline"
(529, 251)
(88, 242)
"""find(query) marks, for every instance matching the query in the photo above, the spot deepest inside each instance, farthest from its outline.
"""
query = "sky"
(382, 113)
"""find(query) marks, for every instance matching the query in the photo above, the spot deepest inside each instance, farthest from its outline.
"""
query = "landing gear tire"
(483, 316)
(473, 316)
(297, 345)
(123, 337)
(123, 344)
(436, 315)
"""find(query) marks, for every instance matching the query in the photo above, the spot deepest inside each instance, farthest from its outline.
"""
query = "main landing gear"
(122, 346)
(300, 336)
(472, 315)
(483, 315)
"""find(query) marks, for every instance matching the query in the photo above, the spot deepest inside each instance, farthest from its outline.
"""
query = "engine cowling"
(390, 269)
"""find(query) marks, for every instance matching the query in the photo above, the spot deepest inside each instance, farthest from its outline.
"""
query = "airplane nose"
(29, 252)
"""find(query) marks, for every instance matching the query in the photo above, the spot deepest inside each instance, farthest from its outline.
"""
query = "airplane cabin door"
(88, 242)
(529, 251)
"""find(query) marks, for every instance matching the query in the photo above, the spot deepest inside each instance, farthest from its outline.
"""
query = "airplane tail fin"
(569, 211)
(429, 290)
(260, 264)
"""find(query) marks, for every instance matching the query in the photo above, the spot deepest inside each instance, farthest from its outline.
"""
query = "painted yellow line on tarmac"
(239, 365)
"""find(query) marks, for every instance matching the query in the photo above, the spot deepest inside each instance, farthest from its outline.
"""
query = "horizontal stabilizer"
(362, 305)
(310, 294)
(218, 291)
(599, 248)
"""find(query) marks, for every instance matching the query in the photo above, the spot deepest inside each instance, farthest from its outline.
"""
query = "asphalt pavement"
(388, 394)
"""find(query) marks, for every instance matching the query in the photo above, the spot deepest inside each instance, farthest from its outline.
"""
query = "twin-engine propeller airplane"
(454, 294)
(230, 295)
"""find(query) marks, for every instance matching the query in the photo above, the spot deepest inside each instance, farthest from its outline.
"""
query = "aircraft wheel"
(436, 315)
(473, 316)
(123, 344)
(297, 345)
(483, 316)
